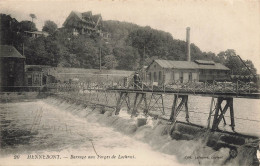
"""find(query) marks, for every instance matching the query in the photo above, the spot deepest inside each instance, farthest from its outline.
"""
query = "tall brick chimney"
(188, 43)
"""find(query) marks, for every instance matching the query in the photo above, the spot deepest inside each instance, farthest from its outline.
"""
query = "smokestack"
(188, 43)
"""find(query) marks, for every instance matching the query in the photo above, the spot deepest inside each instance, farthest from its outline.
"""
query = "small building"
(34, 76)
(166, 71)
(38, 75)
(36, 34)
(11, 67)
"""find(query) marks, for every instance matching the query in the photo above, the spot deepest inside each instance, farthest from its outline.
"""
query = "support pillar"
(210, 111)
(157, 98)
(128, 103)
(145, 104)
(119, 102)
(232, 115)
(220, 113)
(176, 111)
(137, 104)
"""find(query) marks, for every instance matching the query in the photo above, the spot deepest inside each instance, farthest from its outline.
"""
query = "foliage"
(110, 62)
(129, 47)
(12, 31)
(127, 58)
(33, 16)
(27, 26)
(233, 62)
(49, 26)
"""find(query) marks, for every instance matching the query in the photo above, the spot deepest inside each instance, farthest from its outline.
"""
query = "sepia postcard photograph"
(129, 82)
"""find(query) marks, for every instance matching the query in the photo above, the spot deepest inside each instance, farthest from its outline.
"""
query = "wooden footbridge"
(169, 103)
(222, 94)
(148, 99)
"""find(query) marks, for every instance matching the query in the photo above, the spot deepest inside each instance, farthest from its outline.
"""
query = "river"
(62, 133)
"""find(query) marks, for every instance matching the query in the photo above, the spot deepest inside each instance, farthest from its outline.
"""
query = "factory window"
(155, 76)
(190, 77)
(181, 77)
(150, 76)
(160, 75)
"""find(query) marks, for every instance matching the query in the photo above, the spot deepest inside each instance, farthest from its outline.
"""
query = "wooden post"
(210, 111)
(118, 105)
(222, 113)
(162, 105)
(128, 104)
(218, 117)
(219, 101)
(175, 111)
(145, 103)
(172, 117)
(232, 114)
(186, 108)
(135, 106)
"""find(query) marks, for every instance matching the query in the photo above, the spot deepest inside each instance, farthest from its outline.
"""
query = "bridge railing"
(193, 86)
(176, 86)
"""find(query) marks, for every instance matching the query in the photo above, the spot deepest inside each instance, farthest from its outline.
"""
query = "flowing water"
(81, 135)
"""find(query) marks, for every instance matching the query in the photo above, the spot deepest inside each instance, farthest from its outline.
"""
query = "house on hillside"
(166, 72)
(36, 34)
(11, 67)
(83, 23)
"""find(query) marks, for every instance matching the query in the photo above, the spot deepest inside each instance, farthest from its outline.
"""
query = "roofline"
(150, 64)
(20, 56)
(186, 68)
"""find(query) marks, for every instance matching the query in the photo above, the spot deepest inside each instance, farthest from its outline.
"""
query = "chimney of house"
(188, 43)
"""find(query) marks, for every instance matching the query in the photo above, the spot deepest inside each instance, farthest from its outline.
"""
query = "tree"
(33, 16)
(230, 59)
(110, 62)
(27, 26)
(8, 30)
(250, 66)
(50, 27)
(127, 57)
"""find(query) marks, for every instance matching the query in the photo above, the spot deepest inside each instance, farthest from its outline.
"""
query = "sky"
(216, 25)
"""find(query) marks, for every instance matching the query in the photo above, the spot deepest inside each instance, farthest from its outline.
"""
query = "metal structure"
(150, 98)
(169, 103)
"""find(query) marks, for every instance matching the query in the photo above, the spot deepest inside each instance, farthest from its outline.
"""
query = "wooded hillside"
(129, 47)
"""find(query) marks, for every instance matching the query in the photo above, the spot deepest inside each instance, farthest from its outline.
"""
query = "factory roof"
(198, 64)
